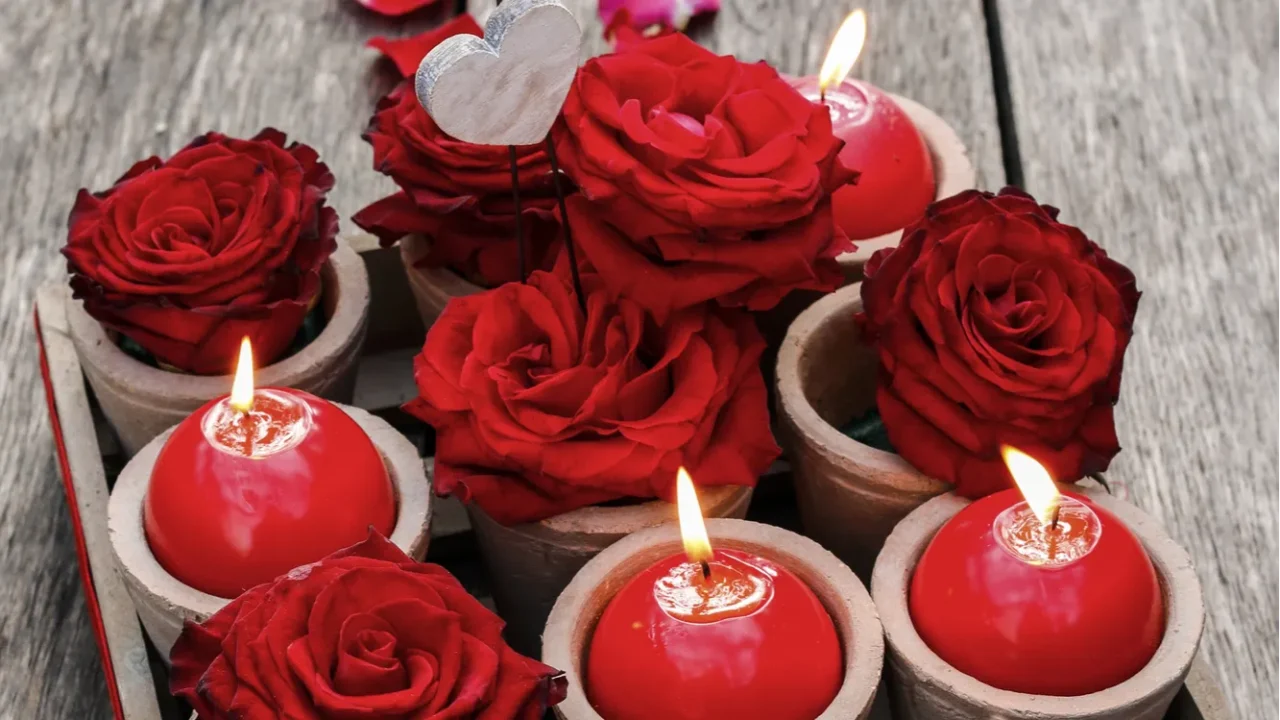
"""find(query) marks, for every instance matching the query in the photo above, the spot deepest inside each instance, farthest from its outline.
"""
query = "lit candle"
(881, 142)
(712, 634)
(1051, 595)
(259, 482)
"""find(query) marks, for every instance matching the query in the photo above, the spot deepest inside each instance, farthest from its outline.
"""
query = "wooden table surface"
(1151, 123)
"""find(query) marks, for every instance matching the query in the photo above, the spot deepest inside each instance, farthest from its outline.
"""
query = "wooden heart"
(507, 87)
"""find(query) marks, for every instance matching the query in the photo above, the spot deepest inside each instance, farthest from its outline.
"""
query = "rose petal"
(422, 687)
(367, 662)
(407, 53)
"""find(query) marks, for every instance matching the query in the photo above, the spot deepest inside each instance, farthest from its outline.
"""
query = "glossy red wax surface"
(881, 142)
(781, 661)
(222, 522)
(1065, 631)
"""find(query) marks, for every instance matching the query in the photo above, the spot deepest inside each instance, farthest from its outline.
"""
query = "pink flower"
(624, 35)
(395, 8)
(669, 13)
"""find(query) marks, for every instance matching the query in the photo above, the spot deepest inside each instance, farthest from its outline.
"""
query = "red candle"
(257, 483)
(1051, 596)
(896, 182)
(712, 636)
(880, 141)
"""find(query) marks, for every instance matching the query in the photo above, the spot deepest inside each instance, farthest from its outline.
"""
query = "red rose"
(366, 632)
(695, 159)
(188, 255)
(997, 324)
(455, 193)
(539, 411)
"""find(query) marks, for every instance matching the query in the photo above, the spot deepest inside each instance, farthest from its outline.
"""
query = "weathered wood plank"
(934, 53)
(1153, 125)
(89, 87)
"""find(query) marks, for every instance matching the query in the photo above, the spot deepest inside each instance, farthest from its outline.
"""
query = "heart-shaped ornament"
(507, 87)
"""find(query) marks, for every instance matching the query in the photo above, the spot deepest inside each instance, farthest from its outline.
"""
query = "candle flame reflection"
(1034, 482)
(242, 385)
(693, 531)
(845, 48)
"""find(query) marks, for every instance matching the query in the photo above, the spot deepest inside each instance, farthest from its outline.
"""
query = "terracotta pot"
(530, 564)
(924, 687)
(141, 401)
(432, 288)
(850, 495)
(952, 172)
(568, 630)
(393, 314)
(164, 602)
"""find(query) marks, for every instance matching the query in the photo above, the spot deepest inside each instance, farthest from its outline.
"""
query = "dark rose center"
(546, 392)
(1029, 306)
(228, 207)
(1016, 298)
(171, 237)
(688, 122)
(529, 364)
(368, 665)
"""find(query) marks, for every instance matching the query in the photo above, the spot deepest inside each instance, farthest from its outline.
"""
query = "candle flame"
(693, 532)
(846, 46)
(1034, 482)
(242, 385)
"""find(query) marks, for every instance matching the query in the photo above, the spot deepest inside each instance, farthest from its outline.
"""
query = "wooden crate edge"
(119, 633)
(120, 636)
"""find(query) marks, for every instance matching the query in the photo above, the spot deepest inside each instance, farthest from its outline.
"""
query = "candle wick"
(250, 423)
(706, 570)
(822, 95)
(1053, 530)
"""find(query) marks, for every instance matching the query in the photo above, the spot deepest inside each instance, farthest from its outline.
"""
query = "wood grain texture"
(1153, 125)
(933, 53)
(90, 86)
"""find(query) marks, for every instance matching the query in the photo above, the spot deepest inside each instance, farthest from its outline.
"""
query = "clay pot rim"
(953, 172)
(595, 520)
(344, 269)
(841, 450)
(413, 247)
(1184, 620)
(863, 651)
(133, 553)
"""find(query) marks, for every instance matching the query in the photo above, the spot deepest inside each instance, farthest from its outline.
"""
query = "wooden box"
(89, 460)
